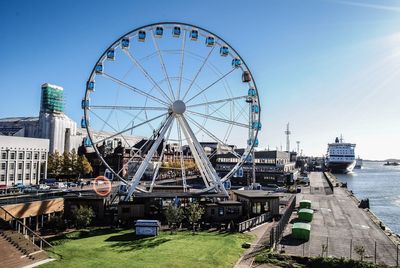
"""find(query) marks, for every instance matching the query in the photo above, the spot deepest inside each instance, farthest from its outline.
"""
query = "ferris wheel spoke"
(216, 101)
(160, 158)
(217, 110)
(213, 136)
(145, 163)
(135, 89)
(198, 72)
(144, 145)
(105, 122)
(219, 119)
(183, 171)
(145, 73)
(162, 63)
(213, 83)
(117, 107)
(181, 66)
(130, 128)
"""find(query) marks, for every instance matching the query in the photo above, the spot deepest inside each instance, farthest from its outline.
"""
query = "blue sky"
(327, 67)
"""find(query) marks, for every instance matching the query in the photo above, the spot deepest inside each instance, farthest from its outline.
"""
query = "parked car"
(44, 187)
(71, 184)
(275, 188)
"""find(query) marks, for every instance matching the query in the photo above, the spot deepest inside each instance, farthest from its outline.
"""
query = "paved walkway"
(339, 223)
(261, 233)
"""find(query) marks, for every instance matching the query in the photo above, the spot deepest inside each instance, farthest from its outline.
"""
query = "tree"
(360, 250)
(84, 167)
(83, 216)
(174, 216)
(74, 164)
(66, 164)
(54, 164)
(195, 211)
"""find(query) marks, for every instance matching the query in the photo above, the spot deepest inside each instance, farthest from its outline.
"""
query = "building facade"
(272, 167)
(22, 160)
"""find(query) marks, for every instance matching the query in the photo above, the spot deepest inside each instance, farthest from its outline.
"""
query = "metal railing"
(356, 248)
(30, 198)
(29, 234)
(277, 231)
(246, 225)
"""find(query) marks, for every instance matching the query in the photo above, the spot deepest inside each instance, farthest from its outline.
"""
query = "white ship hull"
(341, 167)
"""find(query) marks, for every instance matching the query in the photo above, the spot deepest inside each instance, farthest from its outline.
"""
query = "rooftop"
(257, 194)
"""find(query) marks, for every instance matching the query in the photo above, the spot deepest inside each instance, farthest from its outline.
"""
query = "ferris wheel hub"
(178, 107)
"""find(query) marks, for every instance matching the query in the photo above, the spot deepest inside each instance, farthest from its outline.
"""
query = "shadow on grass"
(85, 233)
(288, 240)
(129, 242)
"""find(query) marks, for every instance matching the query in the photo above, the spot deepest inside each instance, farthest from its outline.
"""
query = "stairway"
(16, 249)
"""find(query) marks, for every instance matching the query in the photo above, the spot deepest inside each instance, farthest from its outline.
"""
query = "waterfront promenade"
(339, 224)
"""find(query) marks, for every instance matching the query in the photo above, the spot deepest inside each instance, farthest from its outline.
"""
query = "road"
(340, 224)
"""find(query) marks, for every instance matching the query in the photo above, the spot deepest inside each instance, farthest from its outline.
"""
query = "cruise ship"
(340, 157)
(359, 163)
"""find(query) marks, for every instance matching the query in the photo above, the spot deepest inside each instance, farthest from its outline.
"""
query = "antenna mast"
(287, 132)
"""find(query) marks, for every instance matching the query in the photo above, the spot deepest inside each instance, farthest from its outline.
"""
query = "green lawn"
(116, 248)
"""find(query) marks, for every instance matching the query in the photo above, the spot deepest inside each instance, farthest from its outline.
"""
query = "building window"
(34, 176)
(220, 211)
(20, 177)
(27, 177)
(43, 156)
(20, 155)
(266, 206)
(11, 177)
(28, 165)
(12, 155)
(28, 155)
(12, 166)
(36, 155)
(256, 209)
(3, 166)
(20, 166)
(3, 155)
(34, 165)
(2, 177)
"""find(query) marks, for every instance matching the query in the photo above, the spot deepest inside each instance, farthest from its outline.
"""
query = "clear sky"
(328, 67)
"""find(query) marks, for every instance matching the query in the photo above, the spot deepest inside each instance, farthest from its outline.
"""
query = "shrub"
(83, 216)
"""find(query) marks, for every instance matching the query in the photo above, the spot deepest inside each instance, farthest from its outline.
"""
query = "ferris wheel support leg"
(200, 166)
(160, 160)
(204, 159)
(183, 171)
(143, 166)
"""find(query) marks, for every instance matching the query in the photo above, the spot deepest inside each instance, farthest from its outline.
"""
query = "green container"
(305, 215)
(305, 204)
(301, 230)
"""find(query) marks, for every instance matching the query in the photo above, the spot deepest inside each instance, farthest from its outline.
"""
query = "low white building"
(22, 160)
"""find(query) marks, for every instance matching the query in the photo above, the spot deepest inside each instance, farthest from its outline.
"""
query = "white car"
(44, 187)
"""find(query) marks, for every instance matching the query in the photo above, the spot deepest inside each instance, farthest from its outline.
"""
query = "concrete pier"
(340, 225)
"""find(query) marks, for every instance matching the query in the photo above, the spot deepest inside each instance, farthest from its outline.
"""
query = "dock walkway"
(340, 224)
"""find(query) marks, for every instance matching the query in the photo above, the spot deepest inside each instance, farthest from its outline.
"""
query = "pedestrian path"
(261, 234)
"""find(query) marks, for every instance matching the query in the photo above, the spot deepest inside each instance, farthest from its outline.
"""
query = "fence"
(246, 225)
(380, 252)
(7, 200)
(277, 231)
(25, 230)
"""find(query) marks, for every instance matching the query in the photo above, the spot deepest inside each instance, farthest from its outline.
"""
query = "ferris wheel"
(172, 96)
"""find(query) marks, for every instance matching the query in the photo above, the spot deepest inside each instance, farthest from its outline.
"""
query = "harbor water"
(381, 184)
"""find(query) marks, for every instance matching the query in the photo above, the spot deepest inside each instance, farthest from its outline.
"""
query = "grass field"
(120, 248)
